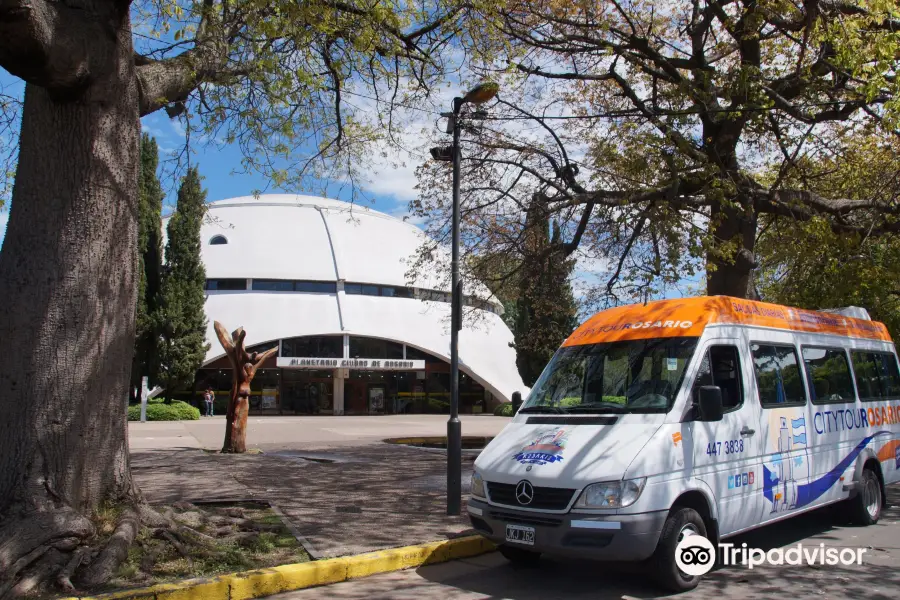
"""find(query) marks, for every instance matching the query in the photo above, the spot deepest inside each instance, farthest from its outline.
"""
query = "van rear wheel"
(681, 523)
(865, 507)
(520, 556)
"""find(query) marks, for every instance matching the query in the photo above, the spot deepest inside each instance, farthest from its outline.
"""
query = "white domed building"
(326, 281)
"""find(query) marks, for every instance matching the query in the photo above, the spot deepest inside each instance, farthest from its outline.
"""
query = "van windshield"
(618, 377)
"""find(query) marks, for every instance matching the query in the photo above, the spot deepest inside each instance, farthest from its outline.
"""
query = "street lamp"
(477, 95)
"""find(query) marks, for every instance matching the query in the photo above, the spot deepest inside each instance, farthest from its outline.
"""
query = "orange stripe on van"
(688, 317)
(888, 451)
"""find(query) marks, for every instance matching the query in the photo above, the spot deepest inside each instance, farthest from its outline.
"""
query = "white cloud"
(177, 127)
(152, 130)
(401, 211)
(395, 178)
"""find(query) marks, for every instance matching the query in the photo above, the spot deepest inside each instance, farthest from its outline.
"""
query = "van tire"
(662, 563)
(520, 556)
(865, 507)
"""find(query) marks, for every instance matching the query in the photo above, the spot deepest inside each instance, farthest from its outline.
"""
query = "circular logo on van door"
(524, 493)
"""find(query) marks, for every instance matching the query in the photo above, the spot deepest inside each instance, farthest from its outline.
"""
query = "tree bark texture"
(243, 366)
(732, 275)
(68, 284)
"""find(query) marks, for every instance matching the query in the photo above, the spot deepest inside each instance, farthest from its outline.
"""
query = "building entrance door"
(355, 400)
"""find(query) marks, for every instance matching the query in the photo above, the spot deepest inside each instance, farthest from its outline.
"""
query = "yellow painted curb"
(265, 582)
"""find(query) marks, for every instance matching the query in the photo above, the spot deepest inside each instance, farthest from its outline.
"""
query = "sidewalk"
(351, 495)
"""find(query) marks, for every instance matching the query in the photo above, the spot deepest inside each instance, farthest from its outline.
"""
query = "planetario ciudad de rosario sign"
(327, 283)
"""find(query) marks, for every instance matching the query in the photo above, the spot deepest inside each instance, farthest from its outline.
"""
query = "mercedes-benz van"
(703, 416)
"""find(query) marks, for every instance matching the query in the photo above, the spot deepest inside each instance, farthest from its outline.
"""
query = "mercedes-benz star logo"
(524, 492)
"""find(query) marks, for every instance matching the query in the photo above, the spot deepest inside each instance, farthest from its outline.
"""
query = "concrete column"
(338, 391)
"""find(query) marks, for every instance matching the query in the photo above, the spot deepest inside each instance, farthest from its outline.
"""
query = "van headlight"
(611, 494)
(477, 486)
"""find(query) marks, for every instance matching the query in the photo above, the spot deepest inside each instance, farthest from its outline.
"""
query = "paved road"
(265, 432)
(489, 576)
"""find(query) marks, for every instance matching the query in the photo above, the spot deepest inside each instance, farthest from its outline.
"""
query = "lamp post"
(477, 95)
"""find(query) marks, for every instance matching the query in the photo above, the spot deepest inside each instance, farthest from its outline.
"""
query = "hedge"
(159, 411)
(504, 410)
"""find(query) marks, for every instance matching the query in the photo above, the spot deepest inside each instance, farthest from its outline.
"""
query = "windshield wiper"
(542, 409)
(599, 408)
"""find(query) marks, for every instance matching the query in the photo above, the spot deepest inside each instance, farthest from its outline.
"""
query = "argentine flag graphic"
(798, 429)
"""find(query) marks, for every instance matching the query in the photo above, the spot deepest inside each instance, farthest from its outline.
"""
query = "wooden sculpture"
(243, 366)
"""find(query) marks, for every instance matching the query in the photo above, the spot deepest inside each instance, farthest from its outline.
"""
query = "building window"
(877, 377)
(226, 284)
(262, 347)
(362, 347)
(777, 376)
(316, 287)
(366, 289)
(218, 240)
(361, 289)
(414, 354)
(316, 346)
(828, 375)
(273, 285)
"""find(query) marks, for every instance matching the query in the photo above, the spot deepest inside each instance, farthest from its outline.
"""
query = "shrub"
(504, 410)
(159, 411)
(438, 406)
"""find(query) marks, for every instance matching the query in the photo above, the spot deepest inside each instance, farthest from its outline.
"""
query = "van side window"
(828, 375)
(877, 377)
(721, 366)
(777, 376)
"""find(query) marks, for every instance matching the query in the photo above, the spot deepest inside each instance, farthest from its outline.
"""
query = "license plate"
(520, 534)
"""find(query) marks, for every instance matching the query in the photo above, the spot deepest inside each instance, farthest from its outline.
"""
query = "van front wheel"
(520, 556)
(682, 522)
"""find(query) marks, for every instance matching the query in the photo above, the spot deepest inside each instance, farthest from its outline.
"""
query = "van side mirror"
(516, 401)
(710, 404)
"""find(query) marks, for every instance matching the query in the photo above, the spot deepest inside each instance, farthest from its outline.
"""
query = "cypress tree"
(182, 321)
(545, 309)
(150, 200)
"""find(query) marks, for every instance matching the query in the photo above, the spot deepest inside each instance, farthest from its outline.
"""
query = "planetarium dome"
(327, 281)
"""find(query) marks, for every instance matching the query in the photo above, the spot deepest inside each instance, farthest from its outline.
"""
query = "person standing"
(209, 397)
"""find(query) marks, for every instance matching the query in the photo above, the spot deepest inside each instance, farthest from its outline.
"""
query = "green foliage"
(182, 320)
(150, 199)
(158, 411)
(809, 265)
(648, 130)
(546, 312)
(504, 410)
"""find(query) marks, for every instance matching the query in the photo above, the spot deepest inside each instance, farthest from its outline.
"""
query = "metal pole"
(145, 391)
(454, 427)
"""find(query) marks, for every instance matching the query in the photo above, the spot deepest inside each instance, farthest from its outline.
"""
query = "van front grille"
(526, 519)
(545, 498)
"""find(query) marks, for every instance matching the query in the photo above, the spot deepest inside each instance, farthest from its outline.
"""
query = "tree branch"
(47, 44)
(170, 80)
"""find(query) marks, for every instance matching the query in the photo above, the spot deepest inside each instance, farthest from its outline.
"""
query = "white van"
(707, 416)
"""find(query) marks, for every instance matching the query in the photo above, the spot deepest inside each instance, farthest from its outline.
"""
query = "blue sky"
(389, 191)
(390, 184)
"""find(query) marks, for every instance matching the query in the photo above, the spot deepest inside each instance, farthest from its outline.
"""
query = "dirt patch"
(222, 538)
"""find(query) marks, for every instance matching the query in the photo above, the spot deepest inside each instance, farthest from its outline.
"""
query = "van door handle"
(747, 431)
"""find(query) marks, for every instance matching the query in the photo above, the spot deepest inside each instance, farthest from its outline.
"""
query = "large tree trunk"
(732, 273)
(68, 289)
